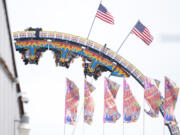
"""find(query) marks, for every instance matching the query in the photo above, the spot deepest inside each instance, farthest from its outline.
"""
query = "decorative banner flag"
(88, 102)
(171, 94)
(142, 32)
(104, 14)
(157, 82)
(110, 110)
(152, 96)
(71, 102)
(131, 108)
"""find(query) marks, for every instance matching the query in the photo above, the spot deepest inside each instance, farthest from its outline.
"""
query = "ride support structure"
(33, 42)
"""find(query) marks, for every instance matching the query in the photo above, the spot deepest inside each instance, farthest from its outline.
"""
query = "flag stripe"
(108, 15)
(143, 36)
(146, 32)
(140, 35)
(106, 20)
(105, 17)
(137, 33)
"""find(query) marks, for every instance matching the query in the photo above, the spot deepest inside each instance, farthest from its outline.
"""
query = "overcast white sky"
(45, 83)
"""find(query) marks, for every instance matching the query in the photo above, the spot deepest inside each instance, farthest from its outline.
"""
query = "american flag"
(142, 32)
(104, 15)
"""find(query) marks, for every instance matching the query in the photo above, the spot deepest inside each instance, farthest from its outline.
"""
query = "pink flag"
(111, 113)
(71, 102)
(152, 96)
(88, 102)
(171, 94)
(131, 108)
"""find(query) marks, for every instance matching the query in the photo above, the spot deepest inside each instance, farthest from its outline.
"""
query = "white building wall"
(9, 105)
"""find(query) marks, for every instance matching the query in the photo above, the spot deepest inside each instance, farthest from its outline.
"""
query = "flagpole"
(120, 48)
(164, 120)
(164, 129)
(124, 41)
(145, 81)
(123, 127)
(123, 103)
(123, 118)
(77, 120)
(164, 110)
(143, 115)
(104, 107)
(125, 38)
(83, 128)
(83, 108)
(92, 23)
(103, 128)
(143, 120)
(64, 128)
(91, 27)
(103, 123)
(65, 108)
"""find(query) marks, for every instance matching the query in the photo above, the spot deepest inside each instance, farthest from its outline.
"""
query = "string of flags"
(131, 108)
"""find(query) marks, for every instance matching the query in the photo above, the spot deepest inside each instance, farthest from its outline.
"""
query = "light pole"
(23, 123)
(24, 128)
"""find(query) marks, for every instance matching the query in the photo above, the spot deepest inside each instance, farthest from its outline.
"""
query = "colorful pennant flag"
(157, 82)
(111, 113)
(171, 95)
(131, 108)
(142, 32)
(152, 96)
(71, 102)
(151, 113)
(88, 102)
(104, 14)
